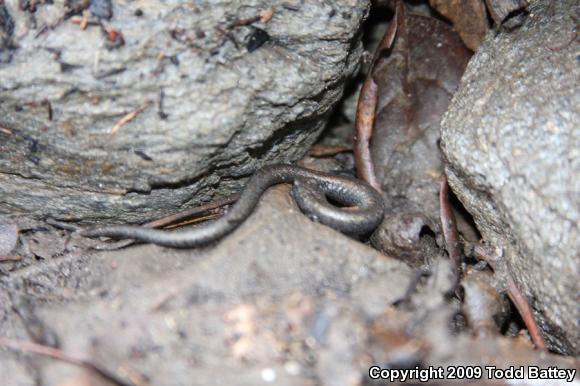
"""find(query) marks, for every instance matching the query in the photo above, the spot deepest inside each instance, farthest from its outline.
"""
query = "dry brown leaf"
(468, 17)
(415, 83)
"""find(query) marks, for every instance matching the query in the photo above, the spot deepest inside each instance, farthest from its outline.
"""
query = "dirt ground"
(282, 300)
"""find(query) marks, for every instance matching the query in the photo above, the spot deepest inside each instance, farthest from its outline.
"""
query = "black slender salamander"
(362, 212)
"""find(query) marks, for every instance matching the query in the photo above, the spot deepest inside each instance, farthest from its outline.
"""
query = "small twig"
(229, 36)
(6, 130)
(526, 313)
(46, 103)
(46, 27)
(84, 21)
(35, 348)
(413, 284)
(10, 258)
(41, 30)
(63, 225)
(181, 219)
(113, 71)
(449, 225)
(244, 22)
(213, 214)
(172, 219)
(264, 16)
(129, 117)
(366, 110)
(515, 295)
(160, 113)
(321, 151)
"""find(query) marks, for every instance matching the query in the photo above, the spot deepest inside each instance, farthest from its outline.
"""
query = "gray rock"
(511, 140)
(227, 106)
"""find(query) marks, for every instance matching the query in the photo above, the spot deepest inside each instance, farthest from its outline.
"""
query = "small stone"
(268, 375)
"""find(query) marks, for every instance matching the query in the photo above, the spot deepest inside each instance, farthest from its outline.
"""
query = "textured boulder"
(214, 92)
(511, 140)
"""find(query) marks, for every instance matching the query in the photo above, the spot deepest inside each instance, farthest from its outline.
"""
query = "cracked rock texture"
(511, 140)
(211, 110)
